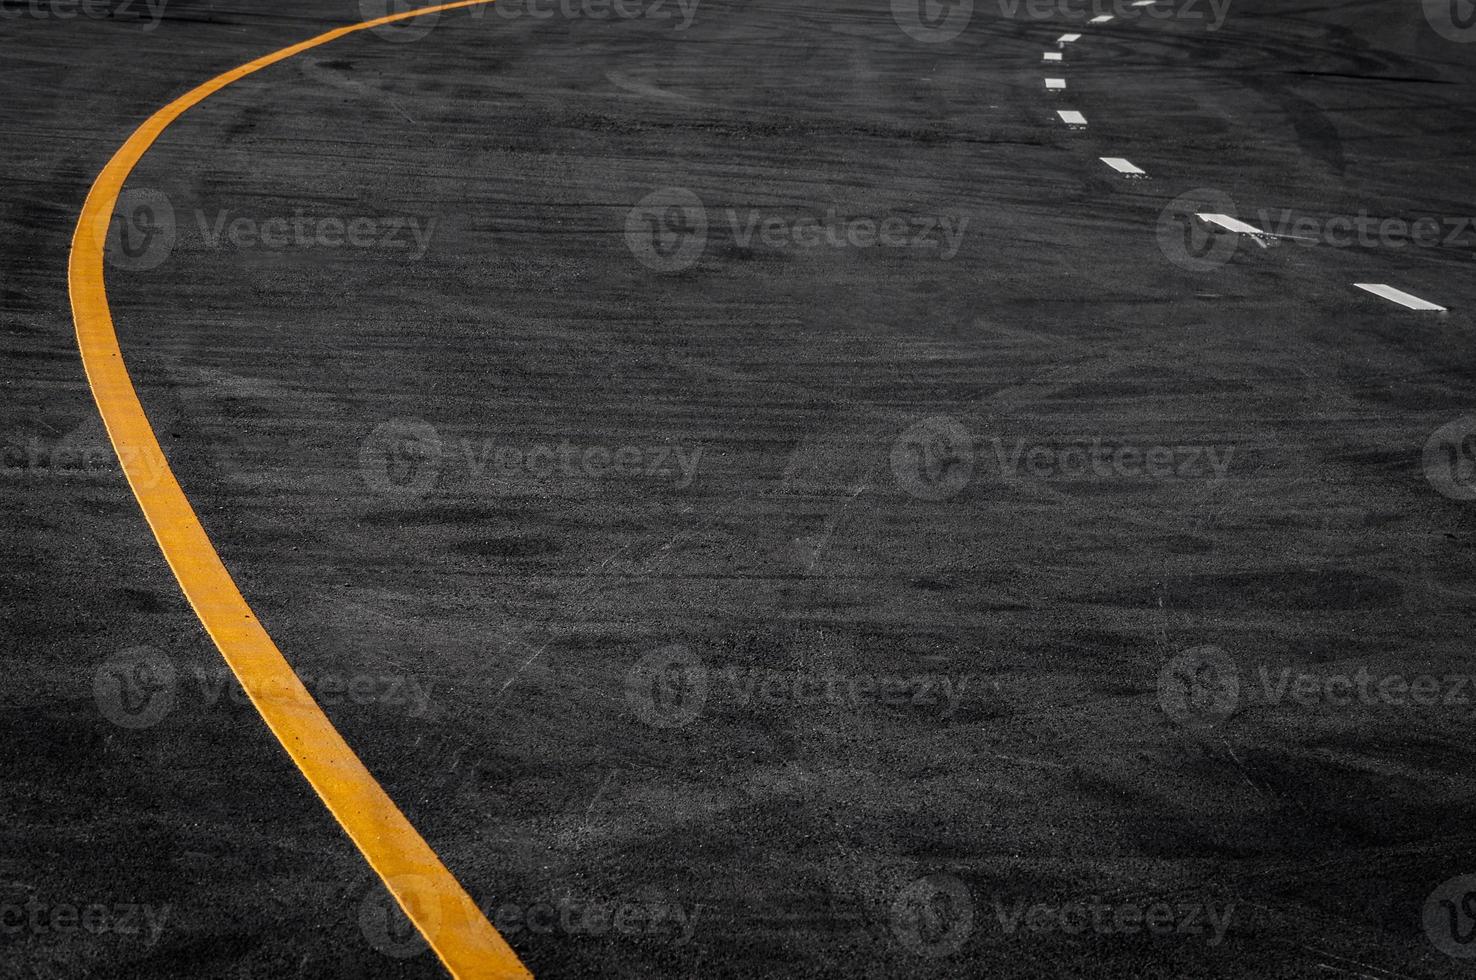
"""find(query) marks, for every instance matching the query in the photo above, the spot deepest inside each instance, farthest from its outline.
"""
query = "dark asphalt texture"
(782, 832)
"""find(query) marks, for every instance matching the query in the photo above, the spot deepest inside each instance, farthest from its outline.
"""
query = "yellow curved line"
(431, 897)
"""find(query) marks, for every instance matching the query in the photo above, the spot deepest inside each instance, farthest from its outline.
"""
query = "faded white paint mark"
(1233, 224)
(1125, 166)
(1399, 296)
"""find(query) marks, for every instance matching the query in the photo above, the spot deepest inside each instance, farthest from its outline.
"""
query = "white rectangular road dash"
(1232, 224)
(1055, 83)
(1124, 166)
(1398, 296)
(1052, 56)
(1071, 117)
(1142, 3)
(1068, 38)
(1100, 19)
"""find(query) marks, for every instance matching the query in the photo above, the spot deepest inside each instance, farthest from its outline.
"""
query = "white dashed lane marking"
(1233, 224)
(1124, 166)
(1100, 19)
(1068, 38)
(1398, 296)
(1071, 117)
(1055, 83)
(1052, 56)
(1241, 228)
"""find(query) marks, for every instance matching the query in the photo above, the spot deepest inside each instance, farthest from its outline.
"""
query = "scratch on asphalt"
(834, 522)
(508, 683)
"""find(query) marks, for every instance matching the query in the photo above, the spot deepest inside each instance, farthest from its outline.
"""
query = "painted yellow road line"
(431, 897)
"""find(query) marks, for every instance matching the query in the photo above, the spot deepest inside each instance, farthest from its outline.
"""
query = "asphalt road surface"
(755, 487)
